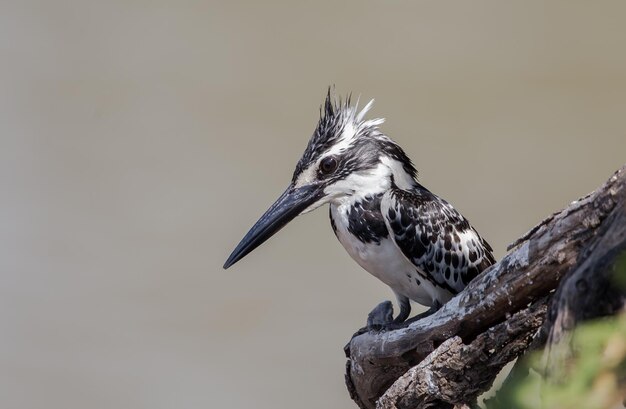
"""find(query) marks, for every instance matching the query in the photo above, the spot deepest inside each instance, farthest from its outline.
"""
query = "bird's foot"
(380, 316)
(380, 319)
(377, 320)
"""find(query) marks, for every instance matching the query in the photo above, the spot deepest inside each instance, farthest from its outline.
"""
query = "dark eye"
(328, 165)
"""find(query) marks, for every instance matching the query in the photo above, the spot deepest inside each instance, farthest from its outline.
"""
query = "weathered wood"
(444, 379)
(527, 275)
(589, 290)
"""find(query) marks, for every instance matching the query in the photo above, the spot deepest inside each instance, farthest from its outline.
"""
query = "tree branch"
(589, 290)
(452, 356)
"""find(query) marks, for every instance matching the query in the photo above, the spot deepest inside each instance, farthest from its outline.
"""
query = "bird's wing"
(435, 237)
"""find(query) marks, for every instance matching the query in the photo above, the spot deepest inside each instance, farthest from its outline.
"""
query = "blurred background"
(139, 140)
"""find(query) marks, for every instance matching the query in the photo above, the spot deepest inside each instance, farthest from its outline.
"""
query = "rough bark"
(452, 356)
(589, 290)
(443, 378)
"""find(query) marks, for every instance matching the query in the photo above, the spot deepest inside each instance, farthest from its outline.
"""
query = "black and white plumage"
(396, 229)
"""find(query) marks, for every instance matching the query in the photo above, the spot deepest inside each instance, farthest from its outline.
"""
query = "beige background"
(140, 140)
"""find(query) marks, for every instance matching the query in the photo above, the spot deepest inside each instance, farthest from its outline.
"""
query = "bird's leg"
(405, 309)
(433, 309)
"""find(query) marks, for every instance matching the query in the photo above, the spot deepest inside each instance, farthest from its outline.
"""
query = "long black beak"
(290, 204)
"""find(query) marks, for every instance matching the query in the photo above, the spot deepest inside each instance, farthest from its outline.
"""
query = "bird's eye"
(328, 165)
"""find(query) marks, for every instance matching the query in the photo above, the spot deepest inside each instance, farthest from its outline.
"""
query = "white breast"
(384, 261)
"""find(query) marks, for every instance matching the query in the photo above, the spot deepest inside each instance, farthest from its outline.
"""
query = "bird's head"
(346, 158)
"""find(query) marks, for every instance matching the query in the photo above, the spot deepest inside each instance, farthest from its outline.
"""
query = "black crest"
(335, 115)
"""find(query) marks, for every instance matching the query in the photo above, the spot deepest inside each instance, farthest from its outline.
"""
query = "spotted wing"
(436, 238)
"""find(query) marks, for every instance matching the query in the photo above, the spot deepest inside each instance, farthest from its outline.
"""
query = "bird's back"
(435, 238)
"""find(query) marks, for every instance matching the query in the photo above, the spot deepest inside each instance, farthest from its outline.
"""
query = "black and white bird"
(392, 226)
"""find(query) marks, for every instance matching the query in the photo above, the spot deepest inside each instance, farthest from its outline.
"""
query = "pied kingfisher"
(392, 226)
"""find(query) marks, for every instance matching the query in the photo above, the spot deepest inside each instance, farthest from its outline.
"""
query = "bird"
(392, 226)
